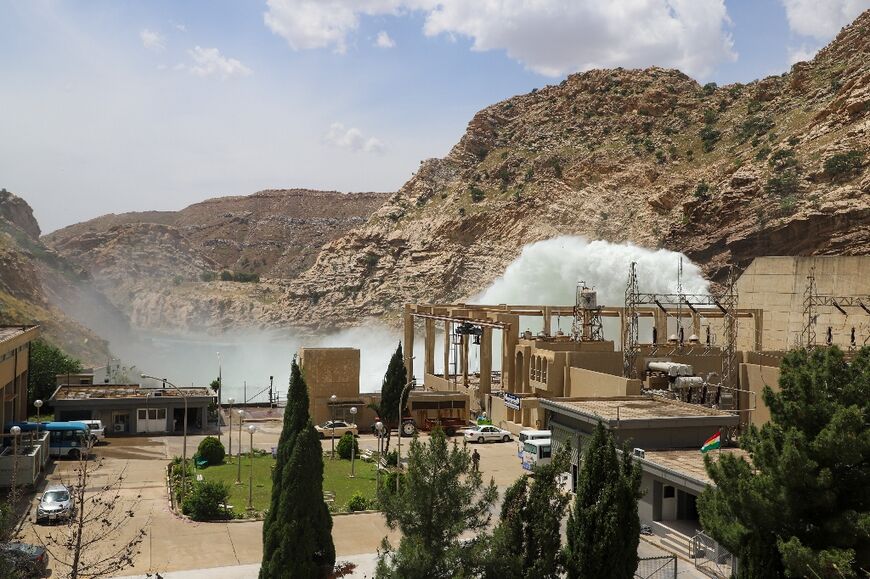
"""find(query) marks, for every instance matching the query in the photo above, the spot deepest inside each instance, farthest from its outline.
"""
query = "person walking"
(475, 460)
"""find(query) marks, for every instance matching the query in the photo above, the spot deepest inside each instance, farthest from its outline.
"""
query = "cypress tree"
(395, 380)
(799, 507)
(297, 532)
(604, 527)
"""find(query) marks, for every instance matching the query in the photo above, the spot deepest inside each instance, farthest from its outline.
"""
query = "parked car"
(55, 504)
(98, 431)
(487, 433)
(27, 560)
(335, 428)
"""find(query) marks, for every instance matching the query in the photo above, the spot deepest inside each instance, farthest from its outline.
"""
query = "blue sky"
(117, 106)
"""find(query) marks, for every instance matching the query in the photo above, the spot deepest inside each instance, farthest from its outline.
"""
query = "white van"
(98, 432)
(530, 435)
(538, 451)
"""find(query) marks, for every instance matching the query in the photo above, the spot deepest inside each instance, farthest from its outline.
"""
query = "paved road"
(182, 549)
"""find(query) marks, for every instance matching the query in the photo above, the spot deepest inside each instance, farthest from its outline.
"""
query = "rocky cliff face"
(32, 280)
(153, 265)
(724, 174)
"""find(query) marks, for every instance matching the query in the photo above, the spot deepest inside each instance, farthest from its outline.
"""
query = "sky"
(107, 107)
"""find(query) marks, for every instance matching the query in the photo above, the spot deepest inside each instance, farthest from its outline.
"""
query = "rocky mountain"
(724, 174)
(39, 286)
(163, 269)
(774, 167)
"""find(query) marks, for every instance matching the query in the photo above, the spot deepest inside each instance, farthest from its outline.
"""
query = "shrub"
(211, 450)
(702, 190)
(709, 116)
(205, 500)
(762, 153)
(477, 194)
(787, 205)
(754, 126)
(844, 165)
(392, 458)
(178, 280)
(246, 277)
(371, 260)
(358, 502)
(649, 145)
(783, 159)
(660, 156)
(709, 138)
(709, 88)
(783, 184)
(753, 107)
(345, 444)
(793, 140)
(226, 276)
(207, 276)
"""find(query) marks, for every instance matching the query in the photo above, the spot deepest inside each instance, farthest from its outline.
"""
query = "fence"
(710, 557)
(657, 567)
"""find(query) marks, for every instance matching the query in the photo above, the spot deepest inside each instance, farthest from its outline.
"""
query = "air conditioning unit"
(639, 453)
(119, 428)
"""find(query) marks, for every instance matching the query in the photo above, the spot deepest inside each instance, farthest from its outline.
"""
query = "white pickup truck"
(98, 431)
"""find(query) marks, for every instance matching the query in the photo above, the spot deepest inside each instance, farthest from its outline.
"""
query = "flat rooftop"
(122, 391)
(636, 408)
(688, 462)
(9, 332)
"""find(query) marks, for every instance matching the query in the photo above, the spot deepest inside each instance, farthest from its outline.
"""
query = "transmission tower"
(630, 347)
(587, 325)
(728, 302)
(808, 334)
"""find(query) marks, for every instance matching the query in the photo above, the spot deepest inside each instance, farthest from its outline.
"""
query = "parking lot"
(174, 543)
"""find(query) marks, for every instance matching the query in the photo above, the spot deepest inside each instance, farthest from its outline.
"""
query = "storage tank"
(587, 298)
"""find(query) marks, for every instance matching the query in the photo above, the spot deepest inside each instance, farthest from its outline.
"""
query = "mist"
(545, 273)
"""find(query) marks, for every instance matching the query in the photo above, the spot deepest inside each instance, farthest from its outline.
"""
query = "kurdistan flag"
(713, 442)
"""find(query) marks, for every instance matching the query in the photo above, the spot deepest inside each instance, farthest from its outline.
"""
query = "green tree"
(395, 380)
(46, 361)
(527, 542)
(212, 450)
(603, 526)
(297, 532)
(799, 507)
(206, 501)
(440, 498)
(347, 442)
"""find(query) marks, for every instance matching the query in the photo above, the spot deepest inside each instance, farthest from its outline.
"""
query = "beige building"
(14, 370)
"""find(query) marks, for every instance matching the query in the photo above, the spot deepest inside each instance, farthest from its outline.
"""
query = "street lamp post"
(399, 443)
(239, 468)
(379, 428)
(230, 428)
(252, 428)
(184, 445)
(353, 443)
(16, 432)
(332, 400)
(38, 405)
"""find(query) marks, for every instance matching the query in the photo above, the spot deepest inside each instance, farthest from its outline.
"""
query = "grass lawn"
(335, 478)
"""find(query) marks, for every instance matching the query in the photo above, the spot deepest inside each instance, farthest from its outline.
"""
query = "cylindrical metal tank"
(672, 369)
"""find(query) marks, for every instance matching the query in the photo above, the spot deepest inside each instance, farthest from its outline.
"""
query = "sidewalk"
(365, 568)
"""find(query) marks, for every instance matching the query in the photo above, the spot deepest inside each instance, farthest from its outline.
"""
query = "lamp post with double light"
(379, 428)
(230, 401)
(184, 446)
(353, 442)
(252, 428)
(332, 400)
(239, 468)
(399, 443)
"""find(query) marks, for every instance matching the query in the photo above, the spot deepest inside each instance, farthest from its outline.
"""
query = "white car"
(487, 433)
(335, 428)
(97, 430)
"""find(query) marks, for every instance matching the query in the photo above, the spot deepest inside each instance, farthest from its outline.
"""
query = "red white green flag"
(712, 443)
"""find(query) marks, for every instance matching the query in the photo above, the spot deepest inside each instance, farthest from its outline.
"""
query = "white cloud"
(210, 62)
(822, 19)
(384, 41)
(179, 26)
(551, 37)
(801, 53)
(152, 40)
(352, 139)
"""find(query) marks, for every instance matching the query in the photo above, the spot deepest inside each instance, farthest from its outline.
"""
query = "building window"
(668, 492)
